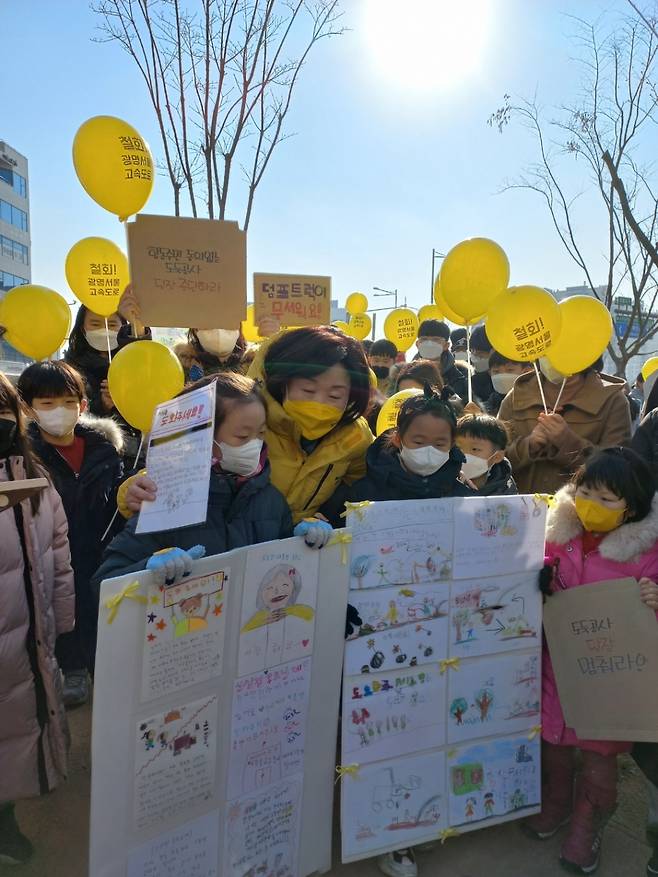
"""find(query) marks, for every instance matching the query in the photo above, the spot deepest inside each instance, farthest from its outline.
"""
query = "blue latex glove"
(172, 564)
(316, 533)
(196, 372)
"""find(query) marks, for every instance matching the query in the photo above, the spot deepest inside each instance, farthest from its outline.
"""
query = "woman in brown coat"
(36, 605)
(546, 449)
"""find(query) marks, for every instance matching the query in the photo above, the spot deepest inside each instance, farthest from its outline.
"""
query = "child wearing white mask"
(210, 351)
(243, 507)
(434, 343)
(503, 373)
(483, 439)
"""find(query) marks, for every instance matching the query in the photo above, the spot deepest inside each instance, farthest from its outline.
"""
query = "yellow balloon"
(356, 303)
(249, 327)
(97, 272)
(388, 413)
(37, 320)
(430, 312)
(142, 376)
(585, 333)
(359, 326)
(523, 322)
(342, 325)
(372, 377)
(448, 313)
(114, 165)
(649, 367)
(401, 327)
(473, 273)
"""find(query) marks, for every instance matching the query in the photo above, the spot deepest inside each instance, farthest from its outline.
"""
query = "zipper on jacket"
(320, 483)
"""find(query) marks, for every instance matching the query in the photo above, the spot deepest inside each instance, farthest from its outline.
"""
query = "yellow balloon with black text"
(523, 322)
(142, 376)
(357, 303)
(401, 327)
(359, 326)
(388, 413)
(585, 332)
(473, 273)
(114, 165)
(36, 320)
(97, 272)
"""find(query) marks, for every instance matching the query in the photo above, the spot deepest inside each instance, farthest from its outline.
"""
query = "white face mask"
(241, 460)
(480, 363)
(423, 461)
(97, 338)
(503, 382)
(58, 421)
(474, 466)
(550, 373)
(430, 349)
(220, 342)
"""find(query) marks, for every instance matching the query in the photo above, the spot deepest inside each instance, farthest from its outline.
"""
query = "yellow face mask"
(596, 517)
(314, 419)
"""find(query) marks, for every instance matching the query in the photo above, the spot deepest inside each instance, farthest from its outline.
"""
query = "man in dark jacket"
(82, 459)
(434, 343)
(480, 352)
(483, 439)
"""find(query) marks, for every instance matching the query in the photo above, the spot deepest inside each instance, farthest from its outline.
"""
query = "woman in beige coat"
(36, 605)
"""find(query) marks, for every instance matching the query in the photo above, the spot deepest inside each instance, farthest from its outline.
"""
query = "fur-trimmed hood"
(107, 427)
(625, 544)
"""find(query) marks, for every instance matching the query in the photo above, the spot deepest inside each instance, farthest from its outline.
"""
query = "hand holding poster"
(294, 299)
(604, 648)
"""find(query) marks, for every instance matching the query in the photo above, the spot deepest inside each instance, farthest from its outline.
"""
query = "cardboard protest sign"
(188, 272)
(603, 643)
(295, 299)
(12, 492)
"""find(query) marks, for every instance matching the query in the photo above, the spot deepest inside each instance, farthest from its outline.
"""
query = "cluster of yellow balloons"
(359, 324)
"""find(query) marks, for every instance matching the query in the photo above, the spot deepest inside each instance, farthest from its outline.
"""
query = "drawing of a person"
(392, 615)
(484, 701)
(469, 811)
(193, 619)
(277, 598)
(489, 804)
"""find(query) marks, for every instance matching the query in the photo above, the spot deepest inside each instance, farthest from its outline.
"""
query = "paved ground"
(59, 823)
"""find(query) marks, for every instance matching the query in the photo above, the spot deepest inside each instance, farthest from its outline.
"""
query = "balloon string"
(559, 395)
(541, 388)
(468, 360)
(116, 510)
(107, 335)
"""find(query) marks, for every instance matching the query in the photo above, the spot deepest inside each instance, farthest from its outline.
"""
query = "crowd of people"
(293, 442)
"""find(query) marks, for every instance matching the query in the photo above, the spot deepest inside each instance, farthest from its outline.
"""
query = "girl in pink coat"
(604, 525)
(36, 605)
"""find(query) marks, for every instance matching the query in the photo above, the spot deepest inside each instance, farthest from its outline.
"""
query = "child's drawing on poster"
(384, 608)
(409, 645)
(393, 804)
(493, 779)
(376, 517)
(183, 634)
(175, 761)
(262, 832)
(491, 615)
(495, 695)
(191, 850)
(405, 555)
(498, 535)
(268, 726)
(278, 607)
(391, 714)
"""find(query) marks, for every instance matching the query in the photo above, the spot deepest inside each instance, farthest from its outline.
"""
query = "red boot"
(557, 792)
(596, 799)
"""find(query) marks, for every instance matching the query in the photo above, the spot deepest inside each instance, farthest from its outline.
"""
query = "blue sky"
(376, 175)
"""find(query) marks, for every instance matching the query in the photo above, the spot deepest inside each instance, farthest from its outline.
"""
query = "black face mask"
(381, 371)
(7, 436)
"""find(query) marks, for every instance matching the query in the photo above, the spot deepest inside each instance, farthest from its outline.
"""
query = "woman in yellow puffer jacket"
(316, 383)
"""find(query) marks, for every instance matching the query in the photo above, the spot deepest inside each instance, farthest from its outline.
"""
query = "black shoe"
(15, 848)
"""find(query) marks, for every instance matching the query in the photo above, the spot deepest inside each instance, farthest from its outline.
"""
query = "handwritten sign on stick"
(295, 299)
(188, 272)
(603, 643)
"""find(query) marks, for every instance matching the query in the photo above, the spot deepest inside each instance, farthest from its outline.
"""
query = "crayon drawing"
(490, 780)
(391, 714)
(278, 607)
(497, 536)
(394, 804)
(409, 645)
(497, 695)
(406, 555)
(491, 615)
(384, 608)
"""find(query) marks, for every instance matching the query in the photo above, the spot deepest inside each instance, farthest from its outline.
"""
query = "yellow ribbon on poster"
(346, 770)
(129, 592)
(534, 731)
(342, 539)
(447, 833)
(357, 508)
(547, 498)
(449, 664)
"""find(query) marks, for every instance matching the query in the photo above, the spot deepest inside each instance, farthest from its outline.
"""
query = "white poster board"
(199, 767)
(442, 683)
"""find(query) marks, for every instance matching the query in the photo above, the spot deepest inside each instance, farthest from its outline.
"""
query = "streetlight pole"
(435, 255)
(385, 292)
